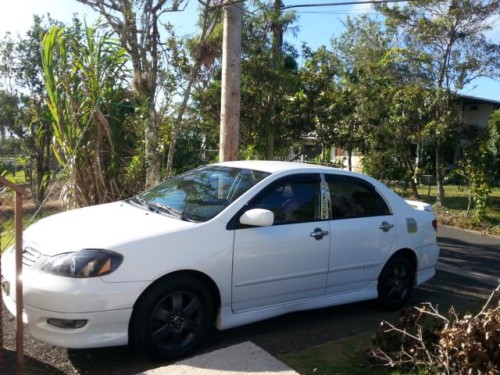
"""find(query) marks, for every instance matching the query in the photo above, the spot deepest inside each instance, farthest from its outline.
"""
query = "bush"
(423, 339)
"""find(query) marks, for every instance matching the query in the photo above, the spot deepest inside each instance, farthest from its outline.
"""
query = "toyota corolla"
(222, 245)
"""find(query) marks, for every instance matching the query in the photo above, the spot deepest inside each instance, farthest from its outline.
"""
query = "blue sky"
(316, 25)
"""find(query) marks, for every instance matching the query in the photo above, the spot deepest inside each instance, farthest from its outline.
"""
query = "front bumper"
(106, 307)
(105, 328)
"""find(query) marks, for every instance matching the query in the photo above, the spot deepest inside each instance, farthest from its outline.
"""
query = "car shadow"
(29, 363)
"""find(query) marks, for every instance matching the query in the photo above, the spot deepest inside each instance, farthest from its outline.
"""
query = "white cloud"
(494, 33)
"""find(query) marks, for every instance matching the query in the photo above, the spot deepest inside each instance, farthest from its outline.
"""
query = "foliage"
(446, 41)
(137, 25)
(84, 72)
(268, 82)
(479, 165)
(259, 80)
(3, 169)
(23, 112)
(423, 338)
(203, 50)
(319, 104)
(379, 101)
(493, 141)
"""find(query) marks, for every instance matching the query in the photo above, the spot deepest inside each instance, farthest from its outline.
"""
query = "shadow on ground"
(10, 365)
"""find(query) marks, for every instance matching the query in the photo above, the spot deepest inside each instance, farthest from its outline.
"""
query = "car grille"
(30, 256)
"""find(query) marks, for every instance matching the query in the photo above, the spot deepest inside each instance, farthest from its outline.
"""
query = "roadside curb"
(468, 231)
(238, 359)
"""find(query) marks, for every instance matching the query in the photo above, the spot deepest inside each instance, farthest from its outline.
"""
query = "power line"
(346, 12)
(343, 3)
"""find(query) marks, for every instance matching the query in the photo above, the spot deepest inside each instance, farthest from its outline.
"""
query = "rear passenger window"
(352, 197)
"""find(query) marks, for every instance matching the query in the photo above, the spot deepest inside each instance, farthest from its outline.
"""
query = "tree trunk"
(413, 182)
(231, 70)
(207, 28)
(270, 117)
(277, 42)
(151, 152)
(178, 120)
(439, 174)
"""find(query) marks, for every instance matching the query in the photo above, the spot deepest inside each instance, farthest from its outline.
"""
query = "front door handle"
(318, 233)
(385, 226)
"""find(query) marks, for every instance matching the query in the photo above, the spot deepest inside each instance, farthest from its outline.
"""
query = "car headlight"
(82, 264)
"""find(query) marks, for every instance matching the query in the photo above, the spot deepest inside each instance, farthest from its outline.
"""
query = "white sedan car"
(225, 244)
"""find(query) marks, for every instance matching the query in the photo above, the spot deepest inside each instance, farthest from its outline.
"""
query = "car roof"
(274, 166)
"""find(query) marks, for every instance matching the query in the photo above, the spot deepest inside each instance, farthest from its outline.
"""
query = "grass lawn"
(455, 210)
(340, 357)
(18, 179)
(344, 356)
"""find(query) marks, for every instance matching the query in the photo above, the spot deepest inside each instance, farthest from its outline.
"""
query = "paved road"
(470, 254)
(468, 271)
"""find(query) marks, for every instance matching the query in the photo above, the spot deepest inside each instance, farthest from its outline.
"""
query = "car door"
(362, 231)
(287, 261)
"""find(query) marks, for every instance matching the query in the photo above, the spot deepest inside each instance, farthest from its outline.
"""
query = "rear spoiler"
(420, 206)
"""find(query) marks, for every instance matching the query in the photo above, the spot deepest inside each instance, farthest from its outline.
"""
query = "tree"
(479, 165)
(84, 73)
(24, 95)
(367, 78)
(447, 39)
(319, 103)
(137, 24)
(258, 80)
(203, 50)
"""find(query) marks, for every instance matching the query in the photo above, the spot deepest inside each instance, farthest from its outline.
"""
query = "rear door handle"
(318, 233)
(385, 226)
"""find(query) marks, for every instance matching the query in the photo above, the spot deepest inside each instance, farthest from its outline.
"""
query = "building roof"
(474, 100)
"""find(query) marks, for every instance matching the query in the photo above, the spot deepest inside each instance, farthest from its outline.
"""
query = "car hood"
(105, 226)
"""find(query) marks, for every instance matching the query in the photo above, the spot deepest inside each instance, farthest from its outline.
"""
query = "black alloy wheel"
(171, 319)
(395, 283)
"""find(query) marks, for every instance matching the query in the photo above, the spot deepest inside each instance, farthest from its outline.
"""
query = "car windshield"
(200, 194)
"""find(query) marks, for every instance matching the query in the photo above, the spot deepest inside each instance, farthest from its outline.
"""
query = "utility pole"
(276, 50)
(231, 73)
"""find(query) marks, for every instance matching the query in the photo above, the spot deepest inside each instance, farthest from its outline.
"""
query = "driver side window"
(292, 199)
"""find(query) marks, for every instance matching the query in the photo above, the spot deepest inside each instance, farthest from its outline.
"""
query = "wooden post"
(18, 219)
(231, 73)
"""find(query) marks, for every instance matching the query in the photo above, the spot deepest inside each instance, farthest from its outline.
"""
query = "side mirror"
(257, 217)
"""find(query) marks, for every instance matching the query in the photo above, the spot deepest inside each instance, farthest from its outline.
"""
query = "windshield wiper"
(156, 207)
(137, 200)
(192, 218)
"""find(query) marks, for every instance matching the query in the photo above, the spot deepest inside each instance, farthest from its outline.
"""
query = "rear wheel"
(395, 283)
(172, 318)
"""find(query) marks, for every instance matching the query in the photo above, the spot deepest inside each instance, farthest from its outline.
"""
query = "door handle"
(318, 233)
(385, 226)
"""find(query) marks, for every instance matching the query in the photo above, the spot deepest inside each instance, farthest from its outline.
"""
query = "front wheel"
(395, 283)
(171, 319)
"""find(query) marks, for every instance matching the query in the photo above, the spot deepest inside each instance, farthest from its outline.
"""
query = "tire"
(171, 319)
(395, 283)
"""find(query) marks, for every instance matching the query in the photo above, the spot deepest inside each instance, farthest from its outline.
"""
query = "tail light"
(435, 224)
